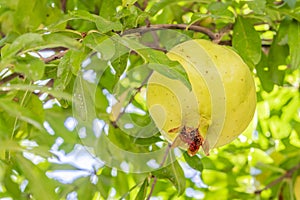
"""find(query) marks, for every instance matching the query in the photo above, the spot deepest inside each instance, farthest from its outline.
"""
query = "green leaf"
(21, 113)
(156, 60)
(32, 67)
(128, 2)
(4, 127)
(264, 74)
(219, 11)
(159, 62)
(23, 42)
(143, 190)
(30, 15)
(108, 9)
(291, 13)
(291, 3)
(104, 25)
(35, 105)
(85, 92)
(9, 145)
(258, 6)
(279, 129)
(102, 44)
(174, 71)
(86, 188)
(83, 14)
(61, 40)
(56, 118)
(294, 43)
(246, 41)
(174, 174)
(157, 6)
(64, 72)
(42, 89)
(258, 156)
(11, 186)
(214, 178)
(146, 141)
(279, 51)
(40, 185)
(9, 38)
(193, 161)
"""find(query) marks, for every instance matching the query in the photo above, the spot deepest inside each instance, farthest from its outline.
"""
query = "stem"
(55, 56)
(160, 165)
(287, 174)
(9, 78)
(63, 5)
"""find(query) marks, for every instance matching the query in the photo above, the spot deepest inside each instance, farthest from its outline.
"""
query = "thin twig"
(55, 56)
(9, 78)
(154, 27)
(137, 90)
(152, 187)
(288, 174)
(142, 7)
(63, 5)
(145, 4)
(160, 165)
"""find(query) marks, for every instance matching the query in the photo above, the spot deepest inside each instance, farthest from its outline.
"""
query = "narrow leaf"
(291, 3)
(158, 61)
(104, 25)
(30, 66)
(258, 6)
(11, 186)
(246, 41)
(83, 93)
(9, 145)
(279, 51)
(194, 161)
(40, 185)
(264, 74)
(24, 41)
(34, 88)
(62, 40)
(294, 43)
(143, 190)
(21, 113)
(174, 174)
(102, 44)
(107, 9)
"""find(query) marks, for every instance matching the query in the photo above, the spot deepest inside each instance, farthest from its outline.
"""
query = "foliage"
(46, 46)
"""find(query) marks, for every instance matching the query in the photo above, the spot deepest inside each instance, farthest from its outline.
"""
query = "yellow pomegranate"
(220, 105)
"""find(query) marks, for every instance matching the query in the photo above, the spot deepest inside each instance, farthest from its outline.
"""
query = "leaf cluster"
(60, 57)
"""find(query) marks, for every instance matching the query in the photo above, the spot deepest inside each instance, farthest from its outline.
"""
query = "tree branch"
(54, 57)
(10, 77)
(288, 174)
(154, 27)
